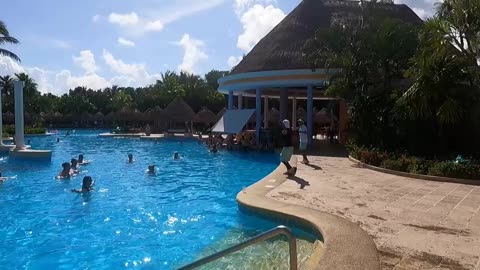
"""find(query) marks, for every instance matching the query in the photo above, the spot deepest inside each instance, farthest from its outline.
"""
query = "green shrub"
(372, 157)
(10, 130)
(451, 169)
(419, 166)
(396, 164)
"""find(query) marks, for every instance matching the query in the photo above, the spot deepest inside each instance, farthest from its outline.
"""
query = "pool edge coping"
(345, 245)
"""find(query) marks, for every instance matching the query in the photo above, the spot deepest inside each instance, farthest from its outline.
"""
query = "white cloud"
(86, 60)
(193, 53)
(131, 74)
(159, 16)
(59, 82)
(234, 60)
(123, 19)
(125, 42)
(257, 21)
(154, 26)
(241, 6)
(96, 18)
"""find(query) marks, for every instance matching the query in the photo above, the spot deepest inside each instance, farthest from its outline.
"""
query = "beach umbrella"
(99, 116)
(205, 116)
(9, 117)
(156, 114)
(179, 111)
(301, 114)
(274, 116)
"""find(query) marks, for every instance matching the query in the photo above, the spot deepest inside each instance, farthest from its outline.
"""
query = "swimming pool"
(131, 220)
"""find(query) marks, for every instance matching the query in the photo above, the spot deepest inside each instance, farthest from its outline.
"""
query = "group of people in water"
(72, 168)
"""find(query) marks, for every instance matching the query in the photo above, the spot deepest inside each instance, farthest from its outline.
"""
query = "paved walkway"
(416, 224)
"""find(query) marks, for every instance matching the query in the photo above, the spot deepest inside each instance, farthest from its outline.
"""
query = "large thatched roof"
(282, 48)
(179, 111)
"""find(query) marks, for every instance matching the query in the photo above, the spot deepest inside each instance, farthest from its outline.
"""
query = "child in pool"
(176, 156)
(130, 158)
(151, 169)
(66, 171)
(74, 165)
(82, 161)
(87, 185)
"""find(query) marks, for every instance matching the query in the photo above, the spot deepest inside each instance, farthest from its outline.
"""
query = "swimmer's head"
(151, 168)
(74, 162)
(80, 157)
(87, 183)
(66, 166)
(58, 139)
(176, 155)
(130, 157)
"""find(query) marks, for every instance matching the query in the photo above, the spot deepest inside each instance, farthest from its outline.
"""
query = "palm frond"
(8, 39)
(8, 53)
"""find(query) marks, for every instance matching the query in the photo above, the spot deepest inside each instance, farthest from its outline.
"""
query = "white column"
(240, 102)
(1, 117)
(265, 112)
(294, 112)
(19, 118)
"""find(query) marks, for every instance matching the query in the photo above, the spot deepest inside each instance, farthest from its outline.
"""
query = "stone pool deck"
(415, 224)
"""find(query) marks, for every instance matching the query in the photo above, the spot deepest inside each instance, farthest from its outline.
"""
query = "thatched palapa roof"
(156, 114)
(205, 116)
(282, 48)
(179, 111)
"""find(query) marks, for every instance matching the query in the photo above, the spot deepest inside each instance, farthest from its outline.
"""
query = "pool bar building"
(276, 68)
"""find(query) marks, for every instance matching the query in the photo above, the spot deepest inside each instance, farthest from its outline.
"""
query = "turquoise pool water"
(131, 220)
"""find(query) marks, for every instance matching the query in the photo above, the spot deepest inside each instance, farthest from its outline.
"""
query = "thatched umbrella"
(283, 47)
(205, 116)
(9, 117)
(99, 116)
(301, 114)
(323, 117)
(179, 111)
(156, 114)
(110, 117)
(274, 116)
(85, 117)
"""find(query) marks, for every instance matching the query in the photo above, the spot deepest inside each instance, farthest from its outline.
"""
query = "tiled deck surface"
(416, 224)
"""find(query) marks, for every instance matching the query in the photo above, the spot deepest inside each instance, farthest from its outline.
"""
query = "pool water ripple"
(131, 220)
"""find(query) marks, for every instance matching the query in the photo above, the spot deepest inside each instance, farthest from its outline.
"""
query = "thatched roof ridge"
(282, 48)
(179, 111)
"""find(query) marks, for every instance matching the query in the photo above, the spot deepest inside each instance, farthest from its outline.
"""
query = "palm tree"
(6, 38)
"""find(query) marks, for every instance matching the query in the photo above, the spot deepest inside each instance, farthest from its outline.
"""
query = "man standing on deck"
(303, 131)
(287, 150)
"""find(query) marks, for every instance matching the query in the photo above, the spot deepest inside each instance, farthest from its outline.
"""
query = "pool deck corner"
(345, 246)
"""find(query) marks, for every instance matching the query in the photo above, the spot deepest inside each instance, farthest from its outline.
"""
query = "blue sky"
(98, 43)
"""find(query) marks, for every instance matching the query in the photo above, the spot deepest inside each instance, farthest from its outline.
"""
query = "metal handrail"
(292, 244)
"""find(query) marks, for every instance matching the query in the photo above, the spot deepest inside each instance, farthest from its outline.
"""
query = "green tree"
(5, 38)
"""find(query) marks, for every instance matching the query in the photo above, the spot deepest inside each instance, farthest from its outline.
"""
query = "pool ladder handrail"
(292, 245)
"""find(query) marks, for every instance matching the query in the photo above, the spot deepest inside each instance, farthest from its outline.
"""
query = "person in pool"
(74, 165)
(82, 161)
(151, 169)
(65, 172)
(130, 158)
(58, 140)
(176, 156)
(87, 185)
(2, 179)
(214, 148)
